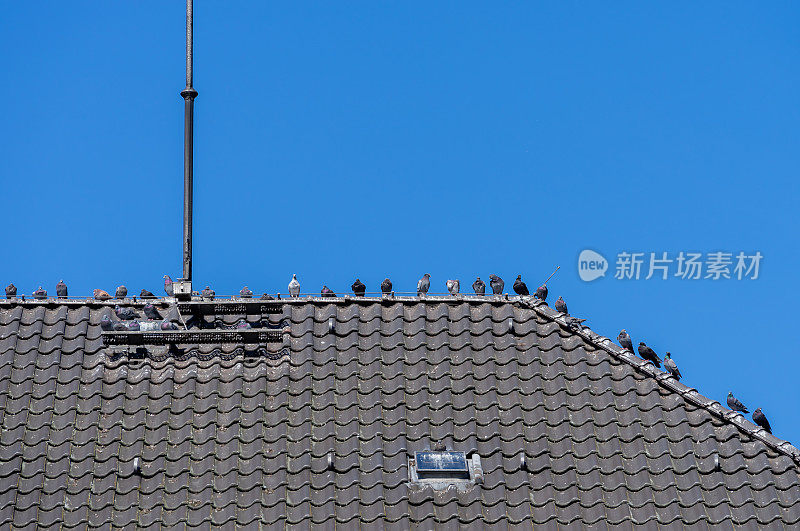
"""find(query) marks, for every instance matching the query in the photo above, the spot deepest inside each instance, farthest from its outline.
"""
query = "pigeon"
(120, 326)
(121, 292)
(541, 293)
(126, 314)
(101, 295)
(294, 286)
(151, 312)
(649, 354)
(133, 326)
(267, 297)
(760, 419)
(327, 292)
(519, 287)
(359, 288)
(386, 286)
(625, 341)
(11, 291)
(245, 293)
(479, 286)
(146, 294)
(61, 290)
(243, 325)
(735, 405)
(105, 324)
(497, 284)
(561, 306)
(40, 293)
(453, 286)
(574, 323)
(671, 366)
(168, 325)
(208, 293)
(168, 287)
(424, 284)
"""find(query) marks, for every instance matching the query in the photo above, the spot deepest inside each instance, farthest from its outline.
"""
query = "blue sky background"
(393, 139)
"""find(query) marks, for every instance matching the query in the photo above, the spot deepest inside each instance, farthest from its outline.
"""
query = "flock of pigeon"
(649, 355)
(129, 318)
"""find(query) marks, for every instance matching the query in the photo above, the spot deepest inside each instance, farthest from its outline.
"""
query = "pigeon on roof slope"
(761, 419)
(294, 286)
(245, 293)
(453, 286)
(424, 284)
(386, 286)
(144, 294)
(561, 306)
(126, 314)
(520, 288)
(101, 295)
(121, 292)
(168, 287)
(40, 293)
(61, 290)
(735, 404)
(359, 289)
(625, 341)
(541, 293)
(649, 354)
(671, 366)
(497, 284)
(208, 293)
(11, 291)
(151, 312)
(327, 292)
(479, 286)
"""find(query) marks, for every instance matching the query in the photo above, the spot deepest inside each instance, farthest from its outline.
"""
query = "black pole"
(189, 94)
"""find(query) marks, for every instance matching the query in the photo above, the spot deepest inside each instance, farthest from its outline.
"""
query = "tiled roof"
(226, 436)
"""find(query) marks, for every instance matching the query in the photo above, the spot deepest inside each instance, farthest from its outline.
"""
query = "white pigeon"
(294, 286)
(453, 286)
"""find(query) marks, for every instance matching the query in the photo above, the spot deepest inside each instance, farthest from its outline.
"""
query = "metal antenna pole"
(189, 94)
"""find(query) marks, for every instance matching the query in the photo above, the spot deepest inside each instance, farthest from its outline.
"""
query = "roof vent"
(440, 469)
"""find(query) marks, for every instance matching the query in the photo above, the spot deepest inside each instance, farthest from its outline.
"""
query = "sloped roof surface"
(227, 438)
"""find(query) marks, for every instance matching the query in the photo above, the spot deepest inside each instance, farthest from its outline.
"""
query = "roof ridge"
(666, 381)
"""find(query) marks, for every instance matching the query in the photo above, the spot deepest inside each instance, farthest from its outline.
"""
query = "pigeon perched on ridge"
(453, 286)
(61, 290)
(146, 294)
(294, 286)
(574, 323)
(760, 419)
(479, 286)
(541, 293)
(245, 293)
(267, 297)
(101, 295)
(105, 324)
(168, 287)
(134, 326)
(40, 293)
(208, 293)
(497, 284)
(359, 289)
(386, 286)
(424, 284)
(168, 325)
(121, 292)
(519, 286)
(735, 405)
(326, 292)
(151, 312)
(126, 314)
(625, 341)
(671, 366)
(243, 325)
(11, 291)
(561, 306)
(120, 326)
(649, 354)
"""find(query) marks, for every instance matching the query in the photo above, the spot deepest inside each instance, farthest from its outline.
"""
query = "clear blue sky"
(393, 139)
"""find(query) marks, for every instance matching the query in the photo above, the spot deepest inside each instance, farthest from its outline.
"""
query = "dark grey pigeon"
(151, 312)
(497, 284)
(520, 288)
(267, 297)
(479, 286)
(625, 341)
(105, 324)
(541, 293)
(574, 323)
(61, 290)
(245, 293)
(424, 284)
(359, 289)
(208, 293)
(126, 314)
(133, 326)
(168, 325)
(671, 366)
(760, 419)
(146, 294)
(40, 293)
(120, 326)
(244, 325)
(649, 354)
(11, 291)
(561, 306)
(168, 287)
(386, 286)
(121, 292)
(327, 292)
(735, 405)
